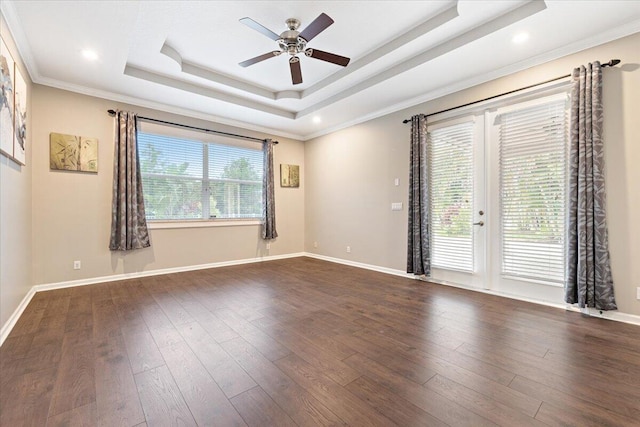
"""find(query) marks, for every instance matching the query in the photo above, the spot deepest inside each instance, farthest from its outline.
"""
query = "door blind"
(450, 153)
(532, 191)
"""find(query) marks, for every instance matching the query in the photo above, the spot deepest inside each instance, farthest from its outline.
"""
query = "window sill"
(161, 225)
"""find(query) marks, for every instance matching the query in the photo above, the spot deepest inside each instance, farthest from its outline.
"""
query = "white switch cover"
(396, 206)
(397, 182)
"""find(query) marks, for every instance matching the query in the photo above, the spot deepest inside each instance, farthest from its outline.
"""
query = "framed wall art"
(6, 100)
(20, 122)
(73, 153)
(289, 175)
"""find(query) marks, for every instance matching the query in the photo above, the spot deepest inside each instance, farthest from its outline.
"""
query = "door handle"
(480, 223)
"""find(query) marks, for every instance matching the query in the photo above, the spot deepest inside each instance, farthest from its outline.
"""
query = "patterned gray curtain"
(588, 279)
(268, 199)
(418, 254)
(128, 221)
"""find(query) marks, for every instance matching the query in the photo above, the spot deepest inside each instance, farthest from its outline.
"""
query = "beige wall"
(72, 211)
(15, 212)
(350, 174)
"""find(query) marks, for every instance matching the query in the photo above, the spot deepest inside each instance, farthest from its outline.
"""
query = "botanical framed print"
(6, 100)
(289, 175)
(20, 122)
(73, 153)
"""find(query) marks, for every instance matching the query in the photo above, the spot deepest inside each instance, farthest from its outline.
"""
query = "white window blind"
(532, 191)
(450, 153)
(185, 178)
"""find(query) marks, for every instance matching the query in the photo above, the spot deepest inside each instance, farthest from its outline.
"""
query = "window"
(532, 151)
(189, 175)
(451, 196)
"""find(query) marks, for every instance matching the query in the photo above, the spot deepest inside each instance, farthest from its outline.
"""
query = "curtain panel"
(588, 280)
(128, 221)
(418, 253)
(268, 198)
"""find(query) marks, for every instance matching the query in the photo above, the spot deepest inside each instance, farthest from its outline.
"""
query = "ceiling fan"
(294, 42)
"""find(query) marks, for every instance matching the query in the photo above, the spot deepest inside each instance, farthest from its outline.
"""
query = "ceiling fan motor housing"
(289, 41)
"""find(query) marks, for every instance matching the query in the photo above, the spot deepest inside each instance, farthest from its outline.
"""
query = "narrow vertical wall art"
(20, 123)
(6, 100)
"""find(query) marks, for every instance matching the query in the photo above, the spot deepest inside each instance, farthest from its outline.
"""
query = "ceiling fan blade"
(326, 56)
(259, 58)
(260, 28)
(316, 27)
(296, 72)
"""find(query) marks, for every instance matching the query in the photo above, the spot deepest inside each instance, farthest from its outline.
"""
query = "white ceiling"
(182, 56)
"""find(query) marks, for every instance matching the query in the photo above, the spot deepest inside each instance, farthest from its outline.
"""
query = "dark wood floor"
(306, 342)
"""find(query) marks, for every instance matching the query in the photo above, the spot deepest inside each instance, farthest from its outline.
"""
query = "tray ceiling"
(182, 56)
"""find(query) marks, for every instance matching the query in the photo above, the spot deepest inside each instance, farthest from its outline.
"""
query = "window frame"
(176, 131)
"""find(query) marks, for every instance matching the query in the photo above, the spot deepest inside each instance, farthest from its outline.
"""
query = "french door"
(497, 198)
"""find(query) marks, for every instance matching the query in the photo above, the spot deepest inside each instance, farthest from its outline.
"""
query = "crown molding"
(20, 39)
(167, 108)
(618, 32)
(164, 80)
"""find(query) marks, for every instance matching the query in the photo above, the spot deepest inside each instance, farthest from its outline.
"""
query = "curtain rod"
(608, 64)
(234, 135)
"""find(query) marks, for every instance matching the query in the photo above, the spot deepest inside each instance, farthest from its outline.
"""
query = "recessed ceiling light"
(317, 119)
(520, 38)
(89, 55)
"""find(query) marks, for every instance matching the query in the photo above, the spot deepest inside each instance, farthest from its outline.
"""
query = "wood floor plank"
(172, 308)
(142, 350)
(231, 378)
(479, 403)
(302, 407)
(339, 400)
(82, 416)
(80, 314)
(166, 336)
(259, 410)
(161, 399)
(591, 412)
(117, 399)
(26, 401)
(390, 359)
(480, 383)
(75, 382)
(624, 401)
(391, 405)
(266, 345)
(434, 404)
(332, 367)
(202, 395)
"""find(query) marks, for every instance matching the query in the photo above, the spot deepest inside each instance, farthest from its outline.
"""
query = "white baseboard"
(125, 276)
(13, 319)
(609, 315)
(360, 265)
(11, 322)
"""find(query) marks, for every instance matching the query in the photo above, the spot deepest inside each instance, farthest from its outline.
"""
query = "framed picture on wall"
(289, 175)
(6, 100)
(20, 122)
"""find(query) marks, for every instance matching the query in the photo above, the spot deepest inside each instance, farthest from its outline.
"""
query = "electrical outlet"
(268, 245)
(77, 265)
(348, 249)
(638, 292)
(315, 244)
